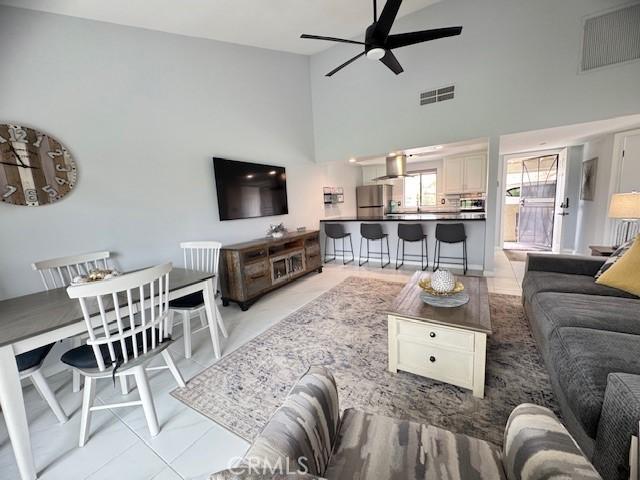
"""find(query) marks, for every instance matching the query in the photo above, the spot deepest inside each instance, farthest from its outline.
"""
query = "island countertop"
(415, 217)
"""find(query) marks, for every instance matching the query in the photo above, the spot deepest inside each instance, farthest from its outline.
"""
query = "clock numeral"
(50, 190)
(10, 190)
(17, 134)
(39, 138)
(30, 195)
(55, 153)
(63, 168)
(61, 181)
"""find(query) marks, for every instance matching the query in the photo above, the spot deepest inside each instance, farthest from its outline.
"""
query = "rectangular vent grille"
(611, 38)
(437, 95)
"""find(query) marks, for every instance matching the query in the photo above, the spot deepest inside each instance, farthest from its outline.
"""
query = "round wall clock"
(35, 168)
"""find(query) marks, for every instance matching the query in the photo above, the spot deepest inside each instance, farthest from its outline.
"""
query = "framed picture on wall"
(589, 172)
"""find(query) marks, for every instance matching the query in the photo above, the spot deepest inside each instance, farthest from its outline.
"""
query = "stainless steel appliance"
(472, 204)
(373, 200)
(396, 167)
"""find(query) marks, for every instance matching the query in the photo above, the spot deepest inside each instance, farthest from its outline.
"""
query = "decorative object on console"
(276, 231)
(96, 275)
(443, 281)
(379, 43)
(626, 208)
(37, 168)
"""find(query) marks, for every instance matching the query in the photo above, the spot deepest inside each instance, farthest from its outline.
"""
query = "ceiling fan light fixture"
(376, 53)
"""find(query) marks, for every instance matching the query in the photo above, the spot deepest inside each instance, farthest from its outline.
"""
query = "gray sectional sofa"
(589, 338)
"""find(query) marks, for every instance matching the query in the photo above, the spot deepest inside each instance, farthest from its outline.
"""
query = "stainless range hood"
(396, 167)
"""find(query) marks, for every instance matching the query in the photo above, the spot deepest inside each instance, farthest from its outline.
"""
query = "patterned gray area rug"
(344, 330)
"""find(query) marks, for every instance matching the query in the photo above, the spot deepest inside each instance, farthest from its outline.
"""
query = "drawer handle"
(432, 334)
(432, 359)
(256, 277)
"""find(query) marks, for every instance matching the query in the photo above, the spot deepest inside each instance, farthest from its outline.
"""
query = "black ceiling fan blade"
(387, 17)
(411, 38)
(331, 39)
(391, 61)
(345, 64)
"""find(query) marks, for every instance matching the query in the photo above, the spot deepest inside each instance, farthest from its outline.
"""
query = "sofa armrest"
(300, 436)
(574, 264)
(537, 447)
(618, 422)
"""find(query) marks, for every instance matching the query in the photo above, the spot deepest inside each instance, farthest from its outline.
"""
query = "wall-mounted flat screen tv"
(248, 190)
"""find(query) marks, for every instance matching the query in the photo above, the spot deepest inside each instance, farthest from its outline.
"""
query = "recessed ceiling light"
(438, 147)
(352, 160)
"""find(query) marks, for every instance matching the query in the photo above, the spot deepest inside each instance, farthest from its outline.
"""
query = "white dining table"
(38, 319)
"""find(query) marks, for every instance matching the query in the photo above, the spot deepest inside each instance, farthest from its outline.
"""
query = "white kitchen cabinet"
(369, 172)
(465, 174)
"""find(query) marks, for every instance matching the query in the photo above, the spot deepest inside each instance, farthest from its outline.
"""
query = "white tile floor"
(189, 445)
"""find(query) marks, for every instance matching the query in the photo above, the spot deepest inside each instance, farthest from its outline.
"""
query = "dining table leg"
(208, 292)
(15, 416)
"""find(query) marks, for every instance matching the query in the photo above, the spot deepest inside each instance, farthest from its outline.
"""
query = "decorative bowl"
(95, 276)
(425, 284)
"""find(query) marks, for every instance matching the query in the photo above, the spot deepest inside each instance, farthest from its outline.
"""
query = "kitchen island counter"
(416, 217)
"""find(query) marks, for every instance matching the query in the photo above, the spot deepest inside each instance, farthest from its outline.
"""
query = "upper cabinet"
(465, 173)
(369, 172)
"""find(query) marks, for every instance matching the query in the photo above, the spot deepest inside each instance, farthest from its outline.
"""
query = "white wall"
(143, 112)
(592, 215)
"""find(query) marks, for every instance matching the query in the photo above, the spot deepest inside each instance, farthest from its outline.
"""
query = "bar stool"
(373, 231)
(336, 231)
(450, 233)
(412, 232)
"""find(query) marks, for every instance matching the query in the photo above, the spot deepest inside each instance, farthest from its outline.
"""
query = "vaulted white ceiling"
(273, 24)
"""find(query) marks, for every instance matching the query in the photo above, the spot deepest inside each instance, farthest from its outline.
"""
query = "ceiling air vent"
(437, 95)
(611, 38)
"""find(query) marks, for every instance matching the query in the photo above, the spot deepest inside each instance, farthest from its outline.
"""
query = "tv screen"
(248, 190)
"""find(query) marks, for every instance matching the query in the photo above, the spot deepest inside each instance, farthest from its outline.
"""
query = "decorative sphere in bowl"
(443, 281)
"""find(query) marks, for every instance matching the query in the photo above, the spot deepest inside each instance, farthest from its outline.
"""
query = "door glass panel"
(279, 269)
(297, 262)
(537, 201)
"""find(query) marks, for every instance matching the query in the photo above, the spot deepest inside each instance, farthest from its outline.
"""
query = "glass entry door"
(537, 202)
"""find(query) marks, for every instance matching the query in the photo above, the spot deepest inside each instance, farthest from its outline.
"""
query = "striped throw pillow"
(620, 251)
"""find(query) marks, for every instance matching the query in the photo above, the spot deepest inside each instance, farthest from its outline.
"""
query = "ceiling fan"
(378, 43)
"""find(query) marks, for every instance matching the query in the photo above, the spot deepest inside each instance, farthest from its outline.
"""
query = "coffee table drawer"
(449, 366)
(436, 335)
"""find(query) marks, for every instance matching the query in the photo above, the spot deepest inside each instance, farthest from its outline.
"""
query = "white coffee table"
(444, 344)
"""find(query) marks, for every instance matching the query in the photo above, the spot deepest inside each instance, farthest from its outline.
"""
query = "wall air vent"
(611, 38)
(437, 95)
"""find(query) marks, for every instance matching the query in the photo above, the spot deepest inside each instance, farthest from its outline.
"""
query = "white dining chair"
(30, 366)
(203, 257)
(59, 272)
(127, 332)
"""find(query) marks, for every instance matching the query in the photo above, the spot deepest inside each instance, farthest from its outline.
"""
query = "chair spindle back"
(201, 256)
(138, 303)
(58, 272)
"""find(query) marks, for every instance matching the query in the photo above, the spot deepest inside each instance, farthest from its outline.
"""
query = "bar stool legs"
(423, 255)
(381, 252)
(335, 251)
(436, 256)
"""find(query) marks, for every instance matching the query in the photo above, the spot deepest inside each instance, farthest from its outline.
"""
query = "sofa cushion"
(377, 447)
(555, 310)
(301, 433)
(538, 447)
(582, 359)
(536, 282)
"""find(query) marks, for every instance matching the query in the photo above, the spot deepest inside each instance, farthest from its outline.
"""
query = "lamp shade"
(625, 205)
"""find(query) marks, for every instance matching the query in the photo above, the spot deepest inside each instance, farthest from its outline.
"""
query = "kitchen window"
(420, 189)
